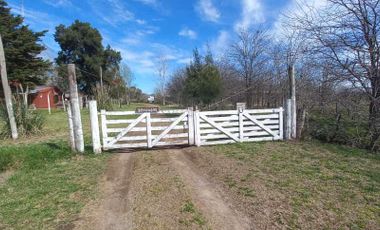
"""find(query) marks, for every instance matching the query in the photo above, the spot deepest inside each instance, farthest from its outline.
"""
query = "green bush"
(344, 131)
(28, 121)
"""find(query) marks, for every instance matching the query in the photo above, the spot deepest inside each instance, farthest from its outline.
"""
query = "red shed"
(39, 97)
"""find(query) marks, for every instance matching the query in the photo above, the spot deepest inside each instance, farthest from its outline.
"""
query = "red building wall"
(40, 100)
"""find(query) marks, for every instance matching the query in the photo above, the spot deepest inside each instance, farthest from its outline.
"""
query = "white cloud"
(115, 14)
(252, 13)
(186, 32)
(148, 2)
(59, 3)
(208, 11)
(219, 45)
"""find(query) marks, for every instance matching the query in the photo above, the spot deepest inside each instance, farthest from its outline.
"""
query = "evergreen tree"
(81, 45)
(22, 49)
(203, 82)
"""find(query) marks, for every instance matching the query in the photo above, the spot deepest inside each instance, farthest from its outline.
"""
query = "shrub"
(28, 121)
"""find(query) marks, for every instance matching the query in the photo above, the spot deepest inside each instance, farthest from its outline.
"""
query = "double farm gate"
(128, 129)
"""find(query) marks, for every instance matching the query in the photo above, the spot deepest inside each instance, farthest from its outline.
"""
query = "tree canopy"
(203, 82)
(81, 44)
(22, 49)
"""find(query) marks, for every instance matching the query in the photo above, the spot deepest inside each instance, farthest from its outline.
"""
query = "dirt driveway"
(160, 189)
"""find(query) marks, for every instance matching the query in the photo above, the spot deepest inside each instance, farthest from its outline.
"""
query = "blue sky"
(144, 30)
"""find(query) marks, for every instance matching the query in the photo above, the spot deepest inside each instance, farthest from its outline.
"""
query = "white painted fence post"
(48, 101)
(104, 128)
(288, 116)
(197, 134)
(94, 122)
(148, 131)
(75, 108)
(281, 123)
(241, 126)
(190, 123)
(71, 126)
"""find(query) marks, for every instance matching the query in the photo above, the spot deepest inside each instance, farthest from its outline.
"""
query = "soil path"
(111, 211)
(148, 190)
(207, 196)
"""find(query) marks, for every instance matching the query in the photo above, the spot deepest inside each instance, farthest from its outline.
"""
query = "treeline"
(335, 51)
(80, 44)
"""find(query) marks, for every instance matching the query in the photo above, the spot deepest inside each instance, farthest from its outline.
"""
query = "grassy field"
(307, 185)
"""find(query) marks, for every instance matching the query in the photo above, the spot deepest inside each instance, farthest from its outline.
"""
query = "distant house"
(38, 97)
(151, 99)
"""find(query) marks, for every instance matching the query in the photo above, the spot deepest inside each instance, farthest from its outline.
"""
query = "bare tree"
(347, 33)
(248, 55)
(127, 75)
(162, 68)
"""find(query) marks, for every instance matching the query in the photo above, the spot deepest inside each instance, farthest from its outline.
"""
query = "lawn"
(300, 185)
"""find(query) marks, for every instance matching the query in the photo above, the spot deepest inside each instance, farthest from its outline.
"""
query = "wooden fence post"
(281, 123)
(240, 108)
(148, 131)
(288, 118)
(94, 121)
(292, 89)
(197, 134)
(104, 128)
(75, 109)
(71, 127)
(190, 122)
(7, 92)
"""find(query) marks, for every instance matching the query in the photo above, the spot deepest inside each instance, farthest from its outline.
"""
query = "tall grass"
(28, 121)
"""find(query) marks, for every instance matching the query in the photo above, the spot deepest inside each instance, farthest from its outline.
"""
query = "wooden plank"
(197, 134)
(255, 111)
(121, 113)
(236, 124)
(103, 119)
(190, 115)
(143, 129)
(259, 123)
(167, 130)
(218, 127)
(241, 126)
(281, 123)
(140, 145)
(148, 131)
(152, 120)
(221, 112)
(217, 142)
(236, 129)
(126, 130)
(143, 138)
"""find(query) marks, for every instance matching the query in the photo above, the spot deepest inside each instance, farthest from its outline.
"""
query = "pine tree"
(81, 44)
(22, 49)
(203, 82)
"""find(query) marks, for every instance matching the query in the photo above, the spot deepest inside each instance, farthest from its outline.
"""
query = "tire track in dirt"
(111, 211)
(207, 197)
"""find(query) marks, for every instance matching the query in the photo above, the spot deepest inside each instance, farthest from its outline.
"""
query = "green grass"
(49, 187)
(315, 179)
(196, 216)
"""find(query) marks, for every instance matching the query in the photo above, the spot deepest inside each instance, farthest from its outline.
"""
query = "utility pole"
(7, 92)
(101, 78)
(292, 93)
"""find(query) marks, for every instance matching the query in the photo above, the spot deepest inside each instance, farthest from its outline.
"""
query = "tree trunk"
(374, 123)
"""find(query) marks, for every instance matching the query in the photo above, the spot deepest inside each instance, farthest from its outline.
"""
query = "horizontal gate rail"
(128, 129)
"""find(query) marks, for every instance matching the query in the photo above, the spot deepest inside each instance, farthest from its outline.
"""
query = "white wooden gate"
(128, 129)
(229, 126)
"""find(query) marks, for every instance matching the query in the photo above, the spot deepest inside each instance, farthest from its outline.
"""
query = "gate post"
(281, 123)
(104, 128)
(148, 131)
(94, 122)
(197, 134)
(240, 108)
(190, 122)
